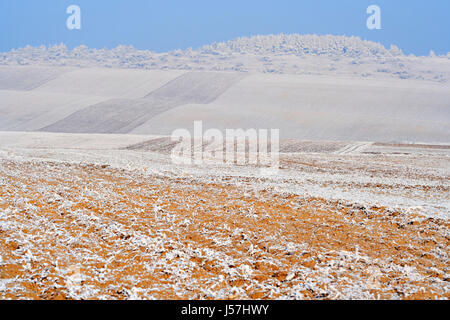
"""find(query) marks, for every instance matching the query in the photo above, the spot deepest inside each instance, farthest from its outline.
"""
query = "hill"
(311, 87)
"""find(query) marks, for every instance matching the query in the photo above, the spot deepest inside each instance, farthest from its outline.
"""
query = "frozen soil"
(77, 225)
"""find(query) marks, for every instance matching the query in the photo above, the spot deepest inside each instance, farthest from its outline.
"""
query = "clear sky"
(416, 26)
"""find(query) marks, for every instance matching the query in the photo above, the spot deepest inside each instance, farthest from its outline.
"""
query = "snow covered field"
(92, 207)
(81, 218)
(158, 102)
(311, 87)
(416, 176)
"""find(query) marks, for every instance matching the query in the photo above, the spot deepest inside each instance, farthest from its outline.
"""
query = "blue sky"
(416, 26)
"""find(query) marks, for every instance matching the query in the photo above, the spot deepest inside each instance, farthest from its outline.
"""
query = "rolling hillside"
(310, 87)
(57, 99)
